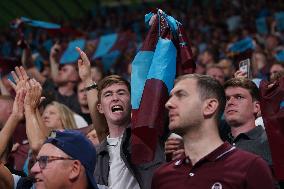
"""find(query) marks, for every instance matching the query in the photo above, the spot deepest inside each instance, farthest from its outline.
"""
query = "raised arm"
(13, 120)
(6, 178)
(98, 119)
(36, 131)
(18, 108)
(53, 60)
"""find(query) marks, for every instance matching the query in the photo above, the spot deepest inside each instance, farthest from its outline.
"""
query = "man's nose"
(230, 101)
(35, 169)
(115, 97)
(169, 104)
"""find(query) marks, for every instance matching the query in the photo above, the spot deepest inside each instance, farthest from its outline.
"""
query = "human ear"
(75, 170)
(256, 107)
(210, 107)
(99, 107)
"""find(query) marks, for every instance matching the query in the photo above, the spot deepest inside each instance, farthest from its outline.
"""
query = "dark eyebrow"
(109, 91)
(237, 94)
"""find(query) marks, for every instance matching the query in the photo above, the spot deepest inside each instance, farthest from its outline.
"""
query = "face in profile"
(184, 106)
(55, 174)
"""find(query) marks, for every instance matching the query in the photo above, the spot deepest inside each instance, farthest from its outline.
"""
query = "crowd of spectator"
(46, 106)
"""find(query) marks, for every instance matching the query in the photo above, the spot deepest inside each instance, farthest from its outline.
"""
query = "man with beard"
(195, 106)
(62, 84)
(62, 88)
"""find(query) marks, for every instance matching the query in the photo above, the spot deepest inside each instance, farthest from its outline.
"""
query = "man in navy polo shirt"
(195, 108)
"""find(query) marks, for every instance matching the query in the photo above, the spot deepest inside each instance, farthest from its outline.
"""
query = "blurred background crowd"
(111, 33)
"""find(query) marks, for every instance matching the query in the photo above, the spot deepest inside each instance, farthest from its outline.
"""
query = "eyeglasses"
(43, 160)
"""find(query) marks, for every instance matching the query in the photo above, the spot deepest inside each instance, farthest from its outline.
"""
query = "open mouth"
(117, 108)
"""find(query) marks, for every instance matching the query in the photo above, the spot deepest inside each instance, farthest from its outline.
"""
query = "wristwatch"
(90, 87)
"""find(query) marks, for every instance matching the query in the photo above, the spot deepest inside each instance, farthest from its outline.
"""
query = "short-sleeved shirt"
(225, 167)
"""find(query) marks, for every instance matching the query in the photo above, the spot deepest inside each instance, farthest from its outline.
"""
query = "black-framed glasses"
(43, 160)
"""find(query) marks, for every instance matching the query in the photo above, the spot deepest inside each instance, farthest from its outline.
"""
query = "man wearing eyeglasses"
(66, 160)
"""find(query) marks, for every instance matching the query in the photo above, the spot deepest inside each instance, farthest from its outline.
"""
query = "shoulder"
(166, 168)
(247, 161)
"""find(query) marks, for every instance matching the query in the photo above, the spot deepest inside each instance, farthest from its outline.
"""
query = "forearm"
(7, 132)
(35, 136)
(6, 178)
(98, 119)
(26, 58)
(53, 67)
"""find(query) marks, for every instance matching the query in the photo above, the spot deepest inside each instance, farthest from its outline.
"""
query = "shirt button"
(234, 144)
(191, 174)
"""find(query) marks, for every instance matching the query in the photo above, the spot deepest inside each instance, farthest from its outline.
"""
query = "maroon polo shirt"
(224, 168)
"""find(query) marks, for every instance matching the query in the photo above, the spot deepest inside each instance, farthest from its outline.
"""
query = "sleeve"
(259, 175)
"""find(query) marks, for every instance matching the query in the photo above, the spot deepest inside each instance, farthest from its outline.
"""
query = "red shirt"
(224, 168)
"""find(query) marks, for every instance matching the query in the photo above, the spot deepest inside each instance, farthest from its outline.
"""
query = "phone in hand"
(245, 67)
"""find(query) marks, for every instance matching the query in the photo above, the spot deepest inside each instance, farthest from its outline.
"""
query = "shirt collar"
(252, 134)
(216, 154)
(255, 132)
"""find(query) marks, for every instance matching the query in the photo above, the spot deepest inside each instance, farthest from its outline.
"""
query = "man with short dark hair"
(240, 113)
(195, 107)
(62, 87)
(114, 166)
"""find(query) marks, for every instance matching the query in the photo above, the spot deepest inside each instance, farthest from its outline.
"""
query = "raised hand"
(174, 148)
(18, 106)
(20, 76)
(240, 74)
(54, 50)
(33, 96)
(84, 66)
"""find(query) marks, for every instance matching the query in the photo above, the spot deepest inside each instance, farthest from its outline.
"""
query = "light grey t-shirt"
(119, 175)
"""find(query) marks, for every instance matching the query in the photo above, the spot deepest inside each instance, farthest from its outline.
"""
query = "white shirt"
(119, 175)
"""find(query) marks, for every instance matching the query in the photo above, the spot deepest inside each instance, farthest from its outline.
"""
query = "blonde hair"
(66, 115)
